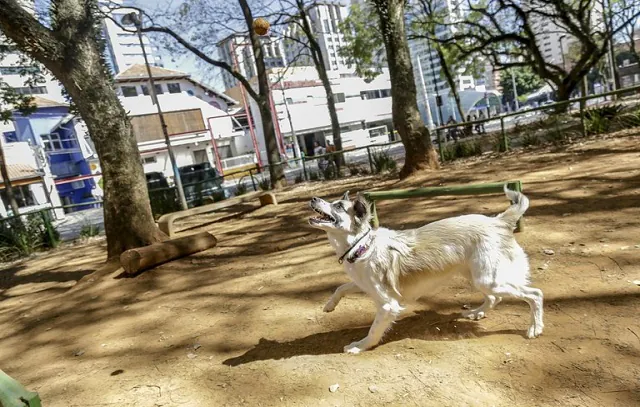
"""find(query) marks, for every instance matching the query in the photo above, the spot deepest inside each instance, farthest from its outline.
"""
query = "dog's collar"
(360, 251)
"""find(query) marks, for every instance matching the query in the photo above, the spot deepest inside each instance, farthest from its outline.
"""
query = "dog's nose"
(314, 199)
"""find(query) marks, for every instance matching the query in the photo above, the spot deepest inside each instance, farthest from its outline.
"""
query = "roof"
(21, 171)
(139, 71)
(44, 102)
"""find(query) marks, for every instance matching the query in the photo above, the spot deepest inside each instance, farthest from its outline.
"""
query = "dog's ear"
(361, 208)
(345, 197)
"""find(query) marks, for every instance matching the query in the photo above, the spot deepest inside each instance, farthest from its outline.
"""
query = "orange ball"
(261, 26)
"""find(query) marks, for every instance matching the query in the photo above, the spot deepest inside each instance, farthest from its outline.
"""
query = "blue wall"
(65, 163)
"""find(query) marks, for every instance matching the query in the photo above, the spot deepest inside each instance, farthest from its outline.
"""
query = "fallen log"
(136, 260)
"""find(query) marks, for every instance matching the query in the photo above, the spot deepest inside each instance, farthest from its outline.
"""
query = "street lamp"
(135, 19)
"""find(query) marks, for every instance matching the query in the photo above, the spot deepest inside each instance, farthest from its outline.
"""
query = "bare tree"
(508, 33)
(72, 49)
(197, 26)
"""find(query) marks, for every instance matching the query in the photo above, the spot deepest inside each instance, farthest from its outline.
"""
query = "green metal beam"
(12, 394)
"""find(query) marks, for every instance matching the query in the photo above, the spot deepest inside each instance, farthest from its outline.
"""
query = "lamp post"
(135, 19)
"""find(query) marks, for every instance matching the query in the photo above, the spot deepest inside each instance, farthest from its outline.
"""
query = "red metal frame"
(215, 146)
(274, 115)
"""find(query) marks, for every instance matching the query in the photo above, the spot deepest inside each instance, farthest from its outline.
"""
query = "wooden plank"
(143, 258)
(474, 189)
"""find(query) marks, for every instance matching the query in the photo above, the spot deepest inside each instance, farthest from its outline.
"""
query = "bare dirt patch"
(242, 324)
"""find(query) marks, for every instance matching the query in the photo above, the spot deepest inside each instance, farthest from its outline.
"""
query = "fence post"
(304, 168)
(519, 225)
(370, 162)
(53, 242)
(584, 128)
(504, 135)
(253, 182)
(439, 136)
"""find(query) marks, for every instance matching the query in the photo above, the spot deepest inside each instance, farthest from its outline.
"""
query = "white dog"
(396, 267)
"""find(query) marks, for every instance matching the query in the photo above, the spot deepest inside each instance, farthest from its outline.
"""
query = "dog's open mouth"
(322, 218)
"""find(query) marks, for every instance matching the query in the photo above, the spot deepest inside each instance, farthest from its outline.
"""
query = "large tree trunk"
(318, 61)
(450, 81)
(72, 51)
(419, 151)
(276, 171)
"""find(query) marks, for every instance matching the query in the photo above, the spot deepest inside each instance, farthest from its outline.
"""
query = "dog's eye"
(339, 206)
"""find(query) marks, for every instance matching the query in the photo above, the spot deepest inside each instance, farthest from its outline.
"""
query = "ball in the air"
(261, 26)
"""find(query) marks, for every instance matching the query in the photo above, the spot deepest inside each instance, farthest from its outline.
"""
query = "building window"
(326, 26)
(190, 92)
(77, 184)
(150, 160)
(31, 90)
(145, 90)
(158, 89)
(173, 87)
(51, 142)
(129, 91)
(338, 97)
(24, 196)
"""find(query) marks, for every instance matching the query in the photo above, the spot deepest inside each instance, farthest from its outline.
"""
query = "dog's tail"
(519, 205)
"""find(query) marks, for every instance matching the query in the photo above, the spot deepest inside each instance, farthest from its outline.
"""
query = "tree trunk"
(450, 81)
(7, 183)
(318, 60)
(73, 53)
(419, 151)
(276, 171)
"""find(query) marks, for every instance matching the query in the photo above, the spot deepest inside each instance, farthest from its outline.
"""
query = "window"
(77, 184)
(326, 26)
(158, 89)
(129, 91)
(150, 160)
(173, 87)
(289, 100)
(51, 142)
(338, 97)
(24, 196)
(31, 90)
(190, 92)
(145, 90)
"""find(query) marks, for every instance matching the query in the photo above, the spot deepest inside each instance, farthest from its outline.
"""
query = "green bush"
(383, 162)
(500, 144)
(299, 178)
(264, 184)
(530, 139)
(313, 176)
(21, 238)
(241, 187)
(462, 149)
(600, 119)
(89, 230)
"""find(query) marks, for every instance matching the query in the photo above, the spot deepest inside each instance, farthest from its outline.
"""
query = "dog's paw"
(534, 331)
(353, 348)
(329, 307)
(473, 315)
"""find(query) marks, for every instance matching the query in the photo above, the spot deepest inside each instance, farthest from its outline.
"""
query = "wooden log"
(475, 189)
(12, 394)
(143, 258)
(268, 198)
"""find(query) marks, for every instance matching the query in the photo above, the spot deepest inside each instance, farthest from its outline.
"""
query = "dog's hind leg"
(340, 292)
(532, 296)
(490, 301)
(385, 317)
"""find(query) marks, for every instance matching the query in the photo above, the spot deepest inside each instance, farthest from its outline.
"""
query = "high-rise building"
(123, 47)
(236, 50)
(325, 17)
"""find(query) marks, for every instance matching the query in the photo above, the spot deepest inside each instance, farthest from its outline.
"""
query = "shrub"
(264, 184)
(462, 149)
(23, 238)
(329, 172)
(599, 120)
(354, 169)
(530, 139)
(89, 230)
(299, 178)
(163, 201)
(241, 187)
(383, 162)
(499, 143)
(313, 176)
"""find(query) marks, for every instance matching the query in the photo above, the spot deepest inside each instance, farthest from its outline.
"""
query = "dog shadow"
(424, 325)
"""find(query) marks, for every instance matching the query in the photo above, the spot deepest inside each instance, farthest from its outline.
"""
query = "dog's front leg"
(386, 315)
(340, 292)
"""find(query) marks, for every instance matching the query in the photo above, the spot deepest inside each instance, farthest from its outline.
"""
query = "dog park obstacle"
(473, 189)
(136, 260)
(166, 222)
(12, 394)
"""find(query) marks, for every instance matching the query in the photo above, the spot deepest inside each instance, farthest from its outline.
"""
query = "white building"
(123, 48)
(236, 50)
(325, 17)
(364, 110)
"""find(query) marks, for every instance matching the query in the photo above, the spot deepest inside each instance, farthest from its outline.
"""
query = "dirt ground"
(242, 324)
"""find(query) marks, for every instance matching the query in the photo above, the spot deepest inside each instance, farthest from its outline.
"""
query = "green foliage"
(89, 230)
(499, 143)
(23, 238)
(241, 187)
(530, 139)
(383, 162)
(526, 82)
(599, 120)
(364, 46)
(462, 149)
(264, 184)
(329, 172)
(299, 178)
(313, 176)
(355, 169)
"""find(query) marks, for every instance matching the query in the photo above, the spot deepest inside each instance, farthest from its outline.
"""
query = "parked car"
(156, 180)
(200, 181)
